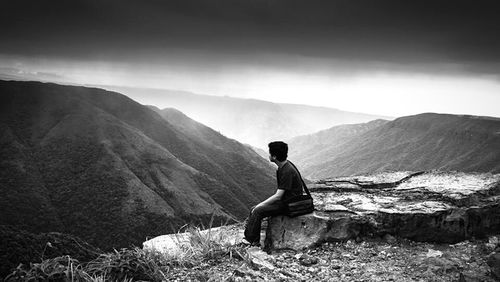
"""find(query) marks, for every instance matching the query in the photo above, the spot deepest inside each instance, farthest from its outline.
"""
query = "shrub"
(124, 265)
(204, 244)
(56, 269)
(135, 264)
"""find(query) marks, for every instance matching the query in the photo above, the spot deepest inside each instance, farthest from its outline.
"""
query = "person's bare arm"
(275, 197)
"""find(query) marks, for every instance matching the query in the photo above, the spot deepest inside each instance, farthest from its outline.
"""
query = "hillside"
(97, 164)
(422, 142)
(249, 121)
(19, 246)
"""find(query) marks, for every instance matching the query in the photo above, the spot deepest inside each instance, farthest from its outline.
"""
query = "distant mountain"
(422, 142)
(97, 164)
(249, 121)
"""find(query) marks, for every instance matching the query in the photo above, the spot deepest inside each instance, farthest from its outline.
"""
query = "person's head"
(278, 150)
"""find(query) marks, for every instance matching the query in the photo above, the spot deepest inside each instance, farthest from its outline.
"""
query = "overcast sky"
(383, 57)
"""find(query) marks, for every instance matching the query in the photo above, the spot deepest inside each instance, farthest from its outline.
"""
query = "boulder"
(425, 206)
(308, 230)
(177, 244)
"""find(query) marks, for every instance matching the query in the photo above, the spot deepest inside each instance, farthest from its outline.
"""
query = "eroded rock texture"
(422, 206)
(308, 230)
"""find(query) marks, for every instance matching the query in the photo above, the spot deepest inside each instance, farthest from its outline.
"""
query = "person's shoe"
(246, 243)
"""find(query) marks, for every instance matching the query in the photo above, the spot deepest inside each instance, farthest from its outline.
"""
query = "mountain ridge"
(420, 142)
(77, 159)
(250, 121)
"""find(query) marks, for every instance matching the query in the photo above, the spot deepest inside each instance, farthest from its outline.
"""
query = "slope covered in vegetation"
(415, 143)
(96, 164)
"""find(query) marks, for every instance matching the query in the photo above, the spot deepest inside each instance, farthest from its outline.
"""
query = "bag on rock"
(301, 204)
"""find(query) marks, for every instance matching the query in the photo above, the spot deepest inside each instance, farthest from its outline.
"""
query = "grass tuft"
(123, 265)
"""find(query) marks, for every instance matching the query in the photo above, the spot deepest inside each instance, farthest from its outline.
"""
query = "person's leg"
(254, 220)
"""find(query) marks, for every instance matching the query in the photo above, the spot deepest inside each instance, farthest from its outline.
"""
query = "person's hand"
(255, 207)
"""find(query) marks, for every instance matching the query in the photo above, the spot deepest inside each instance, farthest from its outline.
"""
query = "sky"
(383, 57)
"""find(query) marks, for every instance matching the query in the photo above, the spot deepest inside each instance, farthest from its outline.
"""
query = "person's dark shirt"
(289, 180)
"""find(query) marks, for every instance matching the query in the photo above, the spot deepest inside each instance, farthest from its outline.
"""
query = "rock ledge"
(424, 206)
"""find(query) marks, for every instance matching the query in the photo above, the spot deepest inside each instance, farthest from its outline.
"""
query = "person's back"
(289, 180)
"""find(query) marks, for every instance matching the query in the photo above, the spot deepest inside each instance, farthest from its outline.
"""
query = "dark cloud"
(400, 32)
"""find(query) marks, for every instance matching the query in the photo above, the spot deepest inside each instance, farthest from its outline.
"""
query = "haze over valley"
(250, 121)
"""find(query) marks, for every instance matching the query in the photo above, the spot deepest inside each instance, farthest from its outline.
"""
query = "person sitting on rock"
(289, 185)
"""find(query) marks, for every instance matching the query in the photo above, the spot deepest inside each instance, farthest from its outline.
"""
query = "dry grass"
(132, 264)
(198, 242)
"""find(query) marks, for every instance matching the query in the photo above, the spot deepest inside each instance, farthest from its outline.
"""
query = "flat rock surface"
(425, 192)
(422, 206)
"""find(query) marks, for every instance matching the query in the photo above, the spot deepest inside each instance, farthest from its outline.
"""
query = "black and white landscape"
(133, 139)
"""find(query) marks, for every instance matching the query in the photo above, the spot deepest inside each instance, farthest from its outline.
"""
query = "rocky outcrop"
(431, 206)
(428, 207)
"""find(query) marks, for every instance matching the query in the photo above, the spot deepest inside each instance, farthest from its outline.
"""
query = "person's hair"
(279, 149)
